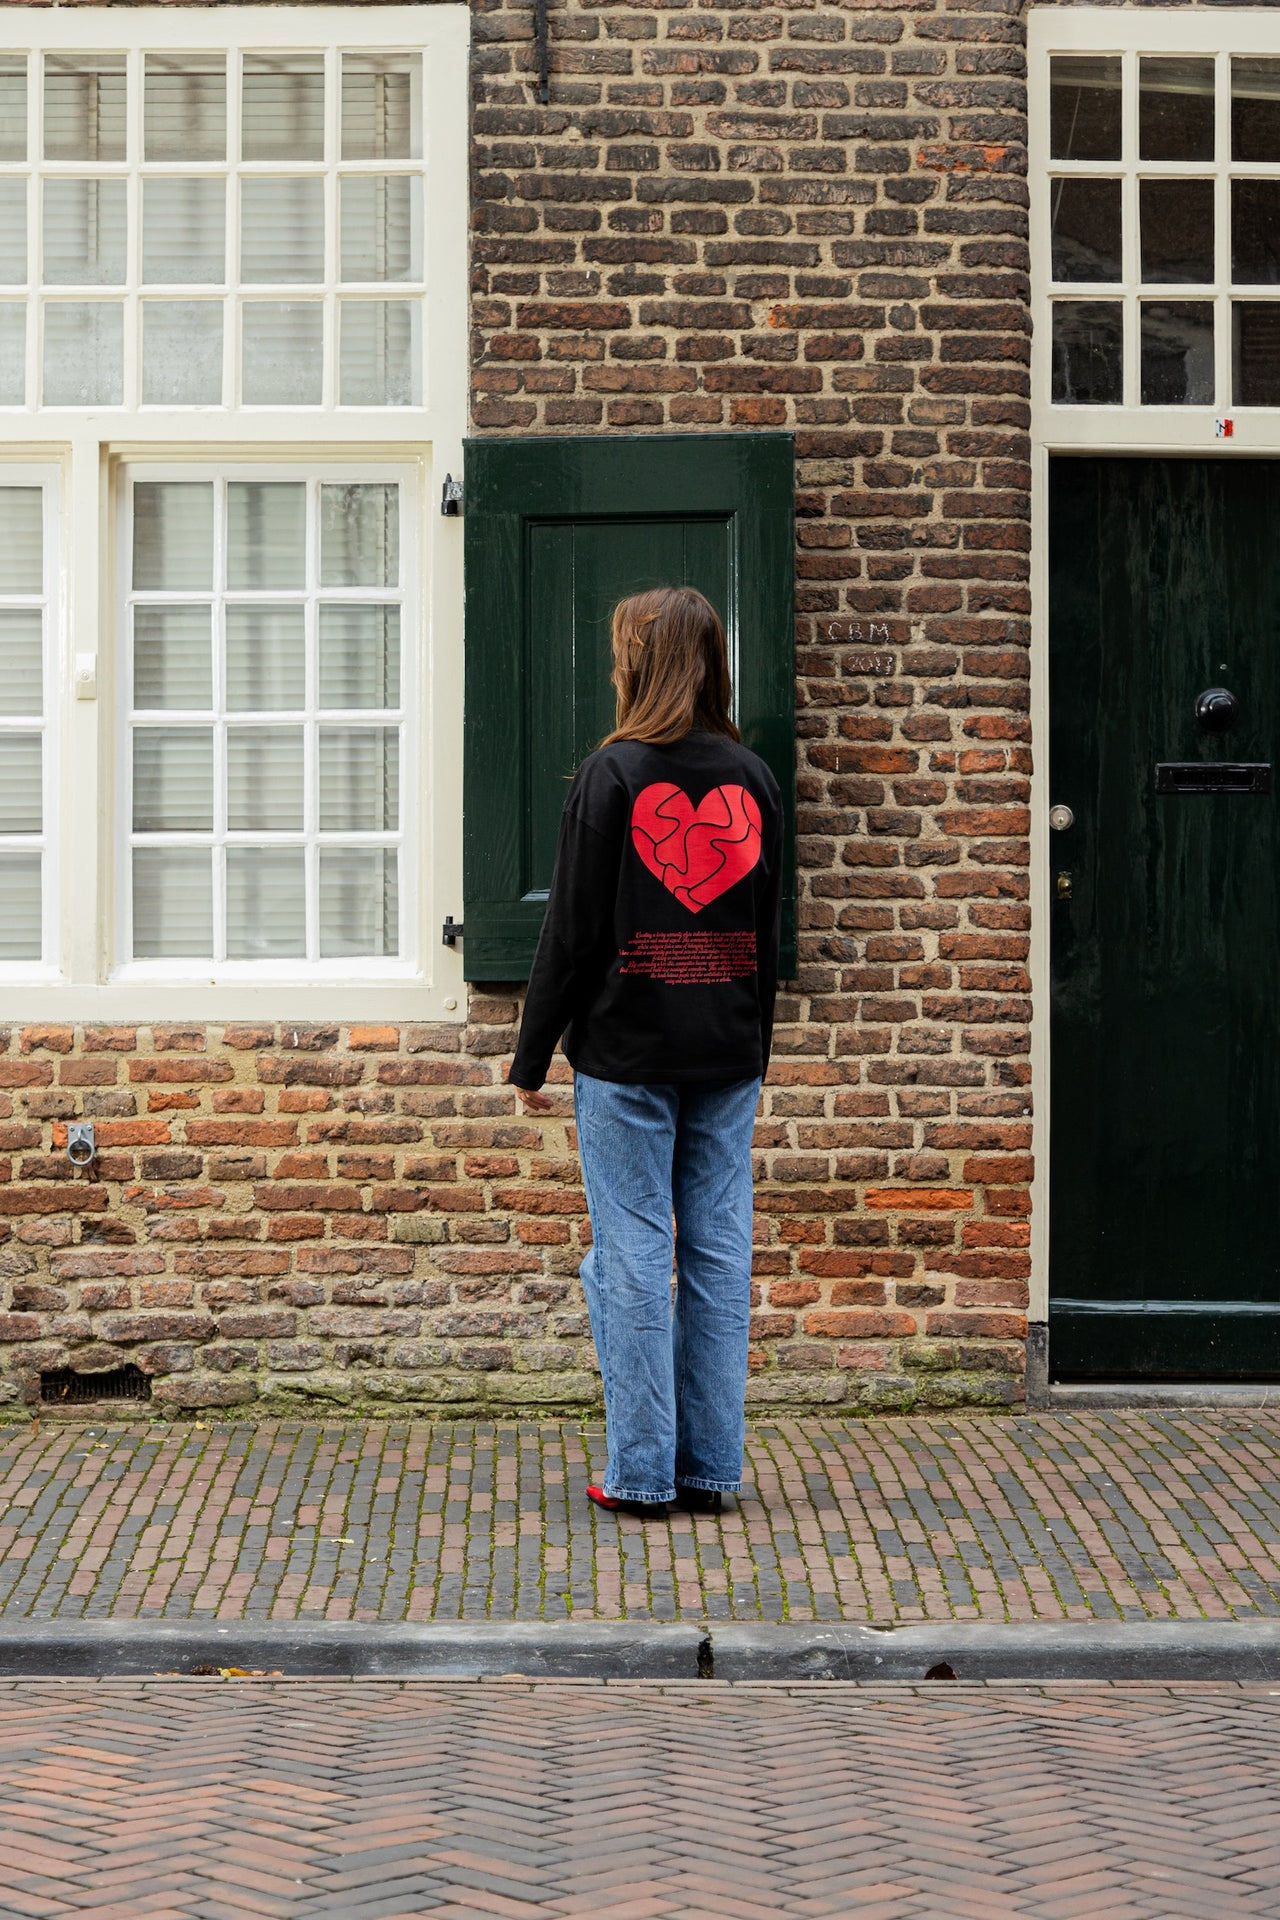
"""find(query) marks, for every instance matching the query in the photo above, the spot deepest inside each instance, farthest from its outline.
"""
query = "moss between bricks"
(354, 1399)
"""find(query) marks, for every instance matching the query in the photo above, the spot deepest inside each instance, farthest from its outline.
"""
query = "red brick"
(988, 1326)
(853, 1323)
(917, 1198)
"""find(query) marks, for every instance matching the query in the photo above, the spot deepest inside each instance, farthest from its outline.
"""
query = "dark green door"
(557, 531)
(1165, 910)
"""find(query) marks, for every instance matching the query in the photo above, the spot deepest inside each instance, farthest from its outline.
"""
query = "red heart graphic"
(697, 853)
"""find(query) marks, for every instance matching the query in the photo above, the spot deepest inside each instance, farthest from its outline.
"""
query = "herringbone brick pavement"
(1118, 1516)
(366, 1800)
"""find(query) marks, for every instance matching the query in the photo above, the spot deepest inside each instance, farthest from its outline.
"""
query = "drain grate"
(69, 1388)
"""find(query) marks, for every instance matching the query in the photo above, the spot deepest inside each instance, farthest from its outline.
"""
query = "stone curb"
(1155, 1651)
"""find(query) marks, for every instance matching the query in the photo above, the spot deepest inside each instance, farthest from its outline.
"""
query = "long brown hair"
(670, 668)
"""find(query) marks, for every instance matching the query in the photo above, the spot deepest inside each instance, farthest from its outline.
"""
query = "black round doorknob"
(1217, 709)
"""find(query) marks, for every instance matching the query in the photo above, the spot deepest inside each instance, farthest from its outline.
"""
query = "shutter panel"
(557, 531)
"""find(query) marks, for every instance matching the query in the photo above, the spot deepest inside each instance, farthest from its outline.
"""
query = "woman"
(659, 954)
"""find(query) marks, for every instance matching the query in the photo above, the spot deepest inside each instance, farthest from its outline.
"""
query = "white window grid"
(85, 450)
(45, 843)
(1221, 35)
(233, 295)
(311, 837)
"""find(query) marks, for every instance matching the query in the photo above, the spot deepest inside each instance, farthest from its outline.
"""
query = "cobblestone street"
(1051, 1517)
(382, 1800)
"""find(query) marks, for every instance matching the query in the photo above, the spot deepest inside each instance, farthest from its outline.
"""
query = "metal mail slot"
(1207, 776)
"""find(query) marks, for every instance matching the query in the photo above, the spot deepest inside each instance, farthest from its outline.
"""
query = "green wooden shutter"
(557, 531)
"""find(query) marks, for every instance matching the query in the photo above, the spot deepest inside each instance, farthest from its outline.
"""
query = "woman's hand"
(534, 1102)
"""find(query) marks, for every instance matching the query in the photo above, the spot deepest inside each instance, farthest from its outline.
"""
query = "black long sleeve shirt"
(659, 950)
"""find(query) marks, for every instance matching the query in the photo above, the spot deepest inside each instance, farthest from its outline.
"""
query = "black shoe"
(699, 1500)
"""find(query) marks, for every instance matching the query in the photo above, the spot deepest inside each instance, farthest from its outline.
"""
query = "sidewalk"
(1109, 1516)
(292, 1800)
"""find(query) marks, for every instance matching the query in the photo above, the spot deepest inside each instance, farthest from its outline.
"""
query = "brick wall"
(359, 1216)
(815, 217)
(797, 215)
(292, 1216)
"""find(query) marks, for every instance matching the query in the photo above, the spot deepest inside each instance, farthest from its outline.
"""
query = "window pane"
(1177, 353)
(1255, 232)
(379, 106)
(1176, 230)
(359, 656)
(379, 238)
(84, 106)
(21, 540)
(1256, 353)
(379, 357)
(83, 353)
(283, 354)
(172, 903)
(264, 779)
(1175, 109)
(172, 658)
(265, 658)
(13, 232)
(359, 902)
(172, 779)
(21, 804)
(1255, 109)
(173, 534)
(13, 107)
(13, 353)
(1086, 229)
(281, 230)
(283, 107)
(359, 536)
(359, 779)
(266, 534)
(185, 107)
(184, 231)
(181, 353)
(1088, 352)
(266, 903)
(21, 660)
(20, 906)
(1084, 107)
(84, 228)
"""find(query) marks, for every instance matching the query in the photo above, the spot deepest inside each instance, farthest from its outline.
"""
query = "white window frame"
(407, 836)
(1211, 32)
(1217, 32)
(88, 451)
(50, 599)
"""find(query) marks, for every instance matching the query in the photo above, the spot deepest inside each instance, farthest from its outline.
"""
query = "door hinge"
(541, 38)
(451, 931)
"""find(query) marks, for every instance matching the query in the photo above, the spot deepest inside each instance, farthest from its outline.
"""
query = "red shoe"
(642, 1509)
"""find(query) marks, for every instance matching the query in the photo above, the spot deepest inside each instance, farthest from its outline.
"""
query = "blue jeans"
(674, 1383)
